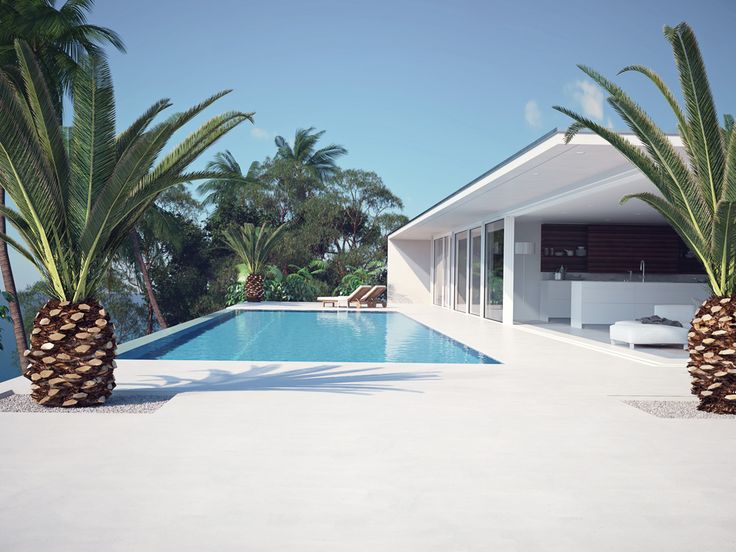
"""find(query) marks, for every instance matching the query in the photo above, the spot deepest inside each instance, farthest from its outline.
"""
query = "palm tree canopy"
(59, 38)
(228, 184)
(304, 152)
(698, 191)
(253, 245)
(76, 207)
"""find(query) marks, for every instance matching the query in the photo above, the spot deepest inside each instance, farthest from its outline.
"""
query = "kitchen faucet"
(643, 269)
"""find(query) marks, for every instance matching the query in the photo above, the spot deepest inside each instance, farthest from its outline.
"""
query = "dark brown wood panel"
(558, 238)
(616, 248)
(621, 248)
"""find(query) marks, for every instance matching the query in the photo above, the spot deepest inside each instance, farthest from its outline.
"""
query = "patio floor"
(538, 453)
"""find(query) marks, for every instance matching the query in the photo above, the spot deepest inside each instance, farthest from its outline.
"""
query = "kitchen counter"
(607, 302)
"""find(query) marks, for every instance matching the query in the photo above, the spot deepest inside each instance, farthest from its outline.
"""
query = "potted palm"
(697, 197)
(78, 195)
(253, 246)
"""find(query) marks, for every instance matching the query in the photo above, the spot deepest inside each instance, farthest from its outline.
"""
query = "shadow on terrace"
(321, 378)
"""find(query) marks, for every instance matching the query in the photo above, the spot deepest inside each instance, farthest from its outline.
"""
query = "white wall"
(527, 274)
(409, 264)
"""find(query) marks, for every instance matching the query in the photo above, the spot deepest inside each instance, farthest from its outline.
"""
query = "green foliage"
(304, 154)
(76, 207)
(253, 245)
(4, 312)
(59, 38)
(185, 276)
(372, 274)
(698, 191)
(299, 285)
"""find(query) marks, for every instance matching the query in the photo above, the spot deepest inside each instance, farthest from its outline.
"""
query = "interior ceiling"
(566, 183)
(602, 206)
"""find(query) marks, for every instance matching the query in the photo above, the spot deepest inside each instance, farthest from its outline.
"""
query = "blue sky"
(428, 94)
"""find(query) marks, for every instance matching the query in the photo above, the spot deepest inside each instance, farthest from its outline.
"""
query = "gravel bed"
(676, 409)
(119, 403)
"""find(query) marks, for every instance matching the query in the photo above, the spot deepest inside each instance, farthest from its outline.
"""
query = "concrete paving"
(537, 453)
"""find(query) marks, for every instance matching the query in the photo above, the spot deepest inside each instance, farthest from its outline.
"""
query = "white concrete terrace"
(537, 453)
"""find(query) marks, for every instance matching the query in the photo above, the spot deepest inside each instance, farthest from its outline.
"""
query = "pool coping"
(141, 342)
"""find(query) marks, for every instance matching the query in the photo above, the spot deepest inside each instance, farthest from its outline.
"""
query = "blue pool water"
(311, 336)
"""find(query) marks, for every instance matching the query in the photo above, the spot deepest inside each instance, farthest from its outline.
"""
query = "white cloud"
(532, 114)
(260, 133)
(609, 123)
(590, 98)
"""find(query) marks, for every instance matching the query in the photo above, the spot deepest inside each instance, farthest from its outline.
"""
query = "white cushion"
(648, 334)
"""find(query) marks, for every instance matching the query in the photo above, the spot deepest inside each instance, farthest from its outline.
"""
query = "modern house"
(543, 236)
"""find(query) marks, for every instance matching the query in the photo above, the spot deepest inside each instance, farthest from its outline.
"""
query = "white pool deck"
(536, 454)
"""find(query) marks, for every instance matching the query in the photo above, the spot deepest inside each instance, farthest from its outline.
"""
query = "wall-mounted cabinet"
(617, 248)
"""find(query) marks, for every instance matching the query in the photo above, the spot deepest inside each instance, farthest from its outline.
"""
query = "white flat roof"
(577, 182)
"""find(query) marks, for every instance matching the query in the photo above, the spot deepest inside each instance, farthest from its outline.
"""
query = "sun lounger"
(344, 300)
(370, 299)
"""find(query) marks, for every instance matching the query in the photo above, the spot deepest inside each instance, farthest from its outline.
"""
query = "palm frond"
(698, 193)
(704, 136)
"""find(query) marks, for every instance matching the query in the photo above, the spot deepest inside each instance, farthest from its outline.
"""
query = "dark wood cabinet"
(622, 248)
(616, 249)
(557, 240)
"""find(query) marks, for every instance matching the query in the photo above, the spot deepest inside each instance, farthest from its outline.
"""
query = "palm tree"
(75, 208)
(59, 38)
(697, 196)
(304, 153)
(157, 224)
(253, 245)
(229, 185)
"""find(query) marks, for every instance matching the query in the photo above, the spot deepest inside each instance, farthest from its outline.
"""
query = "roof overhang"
(581, 181)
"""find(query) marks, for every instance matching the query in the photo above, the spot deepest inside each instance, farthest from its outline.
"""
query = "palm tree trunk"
(149, 320)
(147, 279)
(9, 284)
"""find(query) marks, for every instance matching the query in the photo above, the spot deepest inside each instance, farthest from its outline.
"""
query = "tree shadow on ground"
(321, 378)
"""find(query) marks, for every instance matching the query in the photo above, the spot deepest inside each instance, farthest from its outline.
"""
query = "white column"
(483, 276)
(508, 270)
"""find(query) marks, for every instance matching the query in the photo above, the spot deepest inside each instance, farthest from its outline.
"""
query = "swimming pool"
(278, 335)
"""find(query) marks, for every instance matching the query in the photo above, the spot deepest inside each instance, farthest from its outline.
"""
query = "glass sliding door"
(475, 270)
(441, 282)
(494, 271)
(461, 271)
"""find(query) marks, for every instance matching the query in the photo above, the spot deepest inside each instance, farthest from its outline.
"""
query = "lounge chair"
(344, 300)
(370, 299)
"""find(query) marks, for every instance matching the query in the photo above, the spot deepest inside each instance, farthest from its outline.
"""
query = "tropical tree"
(373, 273)
(253, 246)
(697, 196)
(304, 152)
(157, 226)
(363, 198)
(229, 185)
(59, 38)
(75, 208)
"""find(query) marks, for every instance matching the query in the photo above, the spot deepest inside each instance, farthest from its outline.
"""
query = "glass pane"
(461, 271)
(475, 255)
(494, 270)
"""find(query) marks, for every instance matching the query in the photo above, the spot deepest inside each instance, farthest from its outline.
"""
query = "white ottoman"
(635, 333)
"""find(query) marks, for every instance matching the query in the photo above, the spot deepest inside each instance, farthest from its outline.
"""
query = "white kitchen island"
(607, 302)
